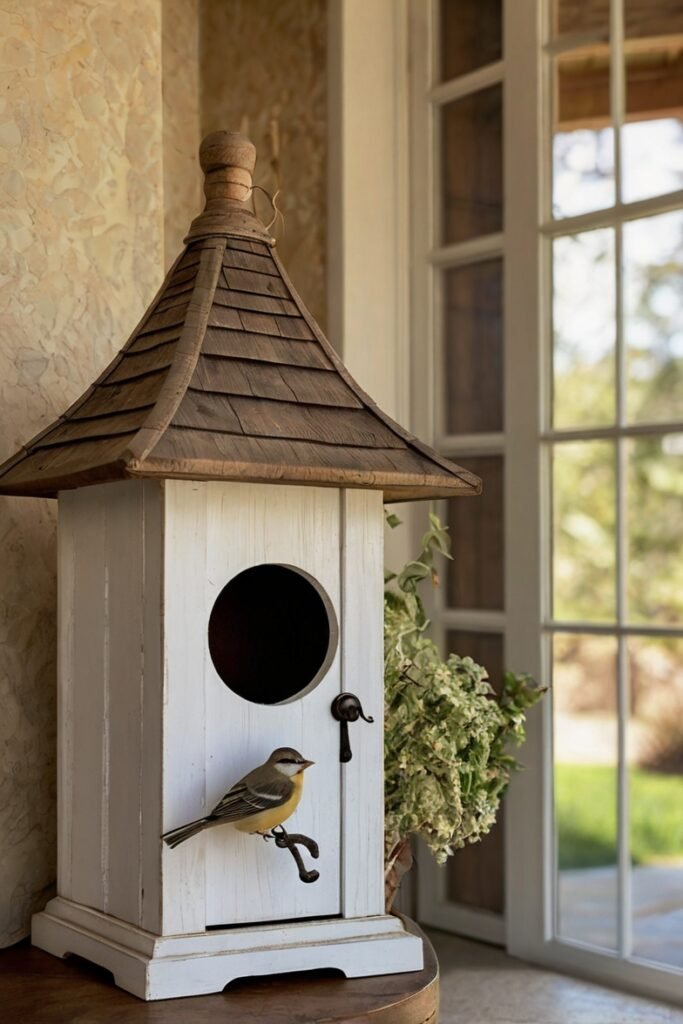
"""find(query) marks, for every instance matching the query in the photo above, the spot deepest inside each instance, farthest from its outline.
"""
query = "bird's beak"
(307, 764)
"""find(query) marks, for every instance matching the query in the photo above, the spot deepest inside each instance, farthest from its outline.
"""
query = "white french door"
(598, 820)
(457, 69)
(590, 249)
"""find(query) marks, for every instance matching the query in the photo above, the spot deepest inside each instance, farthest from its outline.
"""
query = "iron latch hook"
(346, 707)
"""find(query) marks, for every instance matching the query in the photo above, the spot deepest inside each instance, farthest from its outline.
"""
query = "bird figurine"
(260, 801)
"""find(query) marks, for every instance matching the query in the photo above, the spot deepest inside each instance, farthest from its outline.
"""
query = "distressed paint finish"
(151, 737)
(110, 687)
(262, 60)
(80, 256)
(363, 674)
(248, 880)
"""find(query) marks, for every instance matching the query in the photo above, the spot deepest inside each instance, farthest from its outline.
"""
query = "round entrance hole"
(272, 634)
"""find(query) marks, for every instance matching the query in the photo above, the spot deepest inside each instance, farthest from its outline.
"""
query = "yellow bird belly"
(266, 820)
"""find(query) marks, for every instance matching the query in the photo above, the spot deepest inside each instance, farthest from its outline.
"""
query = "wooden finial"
(228, 160)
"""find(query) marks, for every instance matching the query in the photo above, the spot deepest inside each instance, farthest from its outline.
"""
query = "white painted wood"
(194, 965)
(530, 854)
(368, 223)
(363, 674)
(185, 722)
(242, 939)
(110, 588)
(368, 228)
(124, 556)
(619, 213)
(526, 875)
(465, 85)
(247, 879)
(83, 627)
(473, 250)
(152, 707)
(429, 260)
(65, 691)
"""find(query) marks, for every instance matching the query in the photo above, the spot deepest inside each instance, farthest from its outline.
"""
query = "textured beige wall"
(80, 257)
(99, 180)
(180, 91)
(265, 59)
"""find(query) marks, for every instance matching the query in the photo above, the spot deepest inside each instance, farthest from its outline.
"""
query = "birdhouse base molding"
(165, 967)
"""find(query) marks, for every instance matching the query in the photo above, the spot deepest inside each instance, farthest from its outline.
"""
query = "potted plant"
(447, 734)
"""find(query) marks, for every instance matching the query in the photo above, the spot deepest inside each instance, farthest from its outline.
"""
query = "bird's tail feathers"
(178, 835)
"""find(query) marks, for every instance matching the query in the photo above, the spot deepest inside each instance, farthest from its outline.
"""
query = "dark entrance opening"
(272, 634)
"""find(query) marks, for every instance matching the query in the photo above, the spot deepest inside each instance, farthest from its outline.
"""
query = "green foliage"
(446, 755)
(584, 497)
(586, 811)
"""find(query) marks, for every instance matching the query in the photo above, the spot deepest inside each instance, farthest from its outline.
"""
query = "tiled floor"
(483, 985)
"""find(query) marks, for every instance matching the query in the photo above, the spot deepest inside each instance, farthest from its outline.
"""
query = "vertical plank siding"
(124, 559)
(110, 698)
(248, 880)
(65, 692)
(363, 674)
(151, 736)
(185, 721)
(152, 706)
(83, 625)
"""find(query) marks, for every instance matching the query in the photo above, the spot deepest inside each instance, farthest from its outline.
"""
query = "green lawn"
(586, 801)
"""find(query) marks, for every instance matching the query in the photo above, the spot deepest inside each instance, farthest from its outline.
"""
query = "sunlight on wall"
(81, 191)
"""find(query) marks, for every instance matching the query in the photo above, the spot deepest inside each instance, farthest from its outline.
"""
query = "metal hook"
(346, 707)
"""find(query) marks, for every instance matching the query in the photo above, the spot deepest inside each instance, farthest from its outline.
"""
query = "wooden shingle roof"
(228, 377)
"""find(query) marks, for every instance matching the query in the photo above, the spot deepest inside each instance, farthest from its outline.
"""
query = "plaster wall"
(81, 235)
(100, 121)
(264, 63)
(183, 198)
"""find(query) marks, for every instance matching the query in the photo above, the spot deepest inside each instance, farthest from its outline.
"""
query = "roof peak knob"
(228, 160)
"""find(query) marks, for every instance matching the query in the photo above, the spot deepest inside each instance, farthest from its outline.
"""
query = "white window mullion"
(605, 218)
(528, 879)
(624, 889)
(485, 247)
(465, 85)
(457, 446)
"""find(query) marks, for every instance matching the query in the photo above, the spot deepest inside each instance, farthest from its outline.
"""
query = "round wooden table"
(37, 988)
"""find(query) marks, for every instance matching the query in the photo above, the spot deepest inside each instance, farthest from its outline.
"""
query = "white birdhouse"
(220, 586)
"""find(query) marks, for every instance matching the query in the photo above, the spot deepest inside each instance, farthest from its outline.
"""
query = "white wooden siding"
(150, 736)
(83, 612)
(109, 596)
(247, 879)
(152, 707)
(123, 711)
(363, 674)
(185, 723)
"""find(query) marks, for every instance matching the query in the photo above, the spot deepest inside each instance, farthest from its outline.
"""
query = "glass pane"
(652, 138)
(472, 166)
(579, 16)
(653, 317)
(583, 139)
(584, 284)
(471, 35)
(475, 576)
(473, 348)
(585, 779)
(655, 756)
(476, 875)
(644, 18)
(655, 533)
(584, 531)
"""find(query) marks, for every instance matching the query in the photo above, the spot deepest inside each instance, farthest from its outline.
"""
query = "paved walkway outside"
(588, 909)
